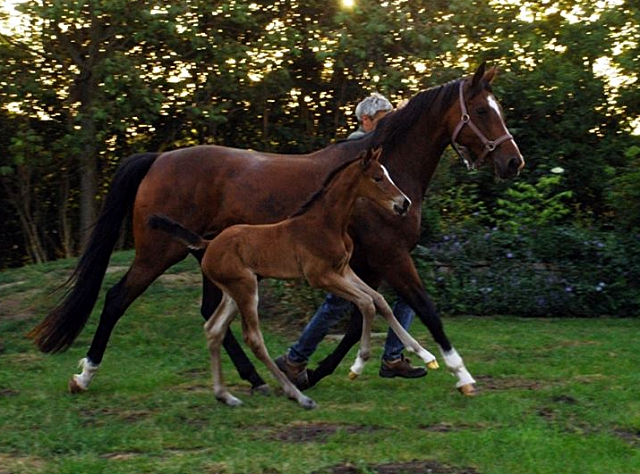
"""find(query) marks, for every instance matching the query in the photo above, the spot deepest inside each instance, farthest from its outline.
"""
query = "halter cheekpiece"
(489, 145)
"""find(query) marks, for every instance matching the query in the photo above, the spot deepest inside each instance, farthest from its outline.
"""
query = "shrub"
(538, 271)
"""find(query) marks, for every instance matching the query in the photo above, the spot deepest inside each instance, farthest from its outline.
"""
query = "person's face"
(369, 122)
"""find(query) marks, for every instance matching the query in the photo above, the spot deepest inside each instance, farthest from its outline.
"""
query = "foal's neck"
(336, 204)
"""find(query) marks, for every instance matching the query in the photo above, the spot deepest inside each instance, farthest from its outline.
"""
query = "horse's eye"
(377, 179)
(482, 111)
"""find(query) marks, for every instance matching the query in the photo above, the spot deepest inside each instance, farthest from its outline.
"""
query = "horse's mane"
(318, 194)
(393, 127)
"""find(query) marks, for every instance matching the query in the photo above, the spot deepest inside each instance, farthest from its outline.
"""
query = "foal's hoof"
(263, 389)
(229, 400)
(468, 390)
(433, 365)
(75, 387)
(307, 403)
(352, 375)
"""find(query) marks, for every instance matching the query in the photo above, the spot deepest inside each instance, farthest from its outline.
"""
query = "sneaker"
(296, 372)
(401, 368)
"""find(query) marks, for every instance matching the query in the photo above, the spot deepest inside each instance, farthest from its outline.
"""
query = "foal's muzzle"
(403, 207)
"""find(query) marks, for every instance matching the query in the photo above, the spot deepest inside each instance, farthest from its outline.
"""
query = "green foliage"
(92, 82)
(533, 205)
(624, 191)
(536, 271)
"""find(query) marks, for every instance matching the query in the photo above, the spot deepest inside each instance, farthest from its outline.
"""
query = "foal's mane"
(318, 194)
(392, 128)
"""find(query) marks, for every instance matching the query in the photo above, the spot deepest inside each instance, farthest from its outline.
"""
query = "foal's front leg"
(383, 308)
(341, 285)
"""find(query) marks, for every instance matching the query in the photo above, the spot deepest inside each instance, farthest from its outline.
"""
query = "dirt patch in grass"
(316, 432)
(629, 435)
(491, 383)
(15, 309)
(411, 467)
(10, 463)
(102, 416)
(445, 427)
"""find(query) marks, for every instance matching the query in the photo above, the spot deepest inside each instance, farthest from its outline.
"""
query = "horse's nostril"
(514, 166)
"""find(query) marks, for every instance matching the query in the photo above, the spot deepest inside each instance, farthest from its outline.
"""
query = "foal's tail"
(62, 325)
(178, 231)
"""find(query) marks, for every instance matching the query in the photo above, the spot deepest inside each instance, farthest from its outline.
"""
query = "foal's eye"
(482, 111)
(377, 179)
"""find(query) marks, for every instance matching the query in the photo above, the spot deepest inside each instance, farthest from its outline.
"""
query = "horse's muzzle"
(512, 168)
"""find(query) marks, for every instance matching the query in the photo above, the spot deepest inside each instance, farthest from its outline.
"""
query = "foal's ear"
(376, 154)
(370, 155)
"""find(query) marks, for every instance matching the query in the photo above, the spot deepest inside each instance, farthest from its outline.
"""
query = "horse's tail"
(62, 325)
(178, 231)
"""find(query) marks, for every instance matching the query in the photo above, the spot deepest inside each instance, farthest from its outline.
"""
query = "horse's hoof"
(352, 375)
(75, 387)
(263, 389)
(433, 365)
(468, 390)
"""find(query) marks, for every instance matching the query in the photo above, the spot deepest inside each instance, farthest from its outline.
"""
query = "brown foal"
(314, 244)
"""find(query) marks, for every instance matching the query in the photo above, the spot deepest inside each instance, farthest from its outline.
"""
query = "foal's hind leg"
(246, 296)
(211, 297)
(215, 328)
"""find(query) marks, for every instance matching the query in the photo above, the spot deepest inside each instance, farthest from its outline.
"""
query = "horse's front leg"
(406, 282)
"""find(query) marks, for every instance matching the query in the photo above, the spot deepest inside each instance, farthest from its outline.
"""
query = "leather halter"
(489, 145)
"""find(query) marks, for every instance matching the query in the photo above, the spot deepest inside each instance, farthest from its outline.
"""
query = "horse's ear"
(376, 154)
(479, 75)
(490, 75)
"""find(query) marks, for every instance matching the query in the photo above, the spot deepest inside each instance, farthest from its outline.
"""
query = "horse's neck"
(413, 162)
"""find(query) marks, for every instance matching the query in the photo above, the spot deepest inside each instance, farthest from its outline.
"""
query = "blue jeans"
(332, 309)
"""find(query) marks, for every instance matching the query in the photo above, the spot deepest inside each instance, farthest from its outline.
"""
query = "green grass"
(558, 396)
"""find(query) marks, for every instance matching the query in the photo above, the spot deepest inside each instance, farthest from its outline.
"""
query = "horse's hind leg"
(141, 274)
(211, 297)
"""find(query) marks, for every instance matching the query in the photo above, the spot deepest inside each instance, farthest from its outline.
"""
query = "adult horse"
(209, 188)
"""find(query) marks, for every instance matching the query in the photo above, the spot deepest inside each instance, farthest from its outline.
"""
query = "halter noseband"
(489, 145)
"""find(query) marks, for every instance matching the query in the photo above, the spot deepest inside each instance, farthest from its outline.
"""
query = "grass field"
(558, 396)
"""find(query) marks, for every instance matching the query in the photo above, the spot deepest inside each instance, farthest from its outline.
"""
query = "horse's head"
(479, 132)
(378, 186)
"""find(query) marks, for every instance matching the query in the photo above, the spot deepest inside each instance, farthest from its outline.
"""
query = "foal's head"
(377, 185)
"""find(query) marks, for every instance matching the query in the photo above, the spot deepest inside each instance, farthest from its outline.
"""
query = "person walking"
(394, 364)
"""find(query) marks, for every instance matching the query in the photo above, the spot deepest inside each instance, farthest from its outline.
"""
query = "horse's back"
(208, 188)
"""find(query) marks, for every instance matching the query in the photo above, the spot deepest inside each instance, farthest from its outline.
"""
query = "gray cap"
(372, 105)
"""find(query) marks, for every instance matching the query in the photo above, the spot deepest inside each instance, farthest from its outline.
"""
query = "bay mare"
(209, 188)
(313, 244)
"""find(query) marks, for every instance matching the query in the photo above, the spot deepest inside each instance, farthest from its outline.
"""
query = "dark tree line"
(85, 84)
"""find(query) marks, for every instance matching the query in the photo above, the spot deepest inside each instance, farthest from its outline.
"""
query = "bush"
(537, 271)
